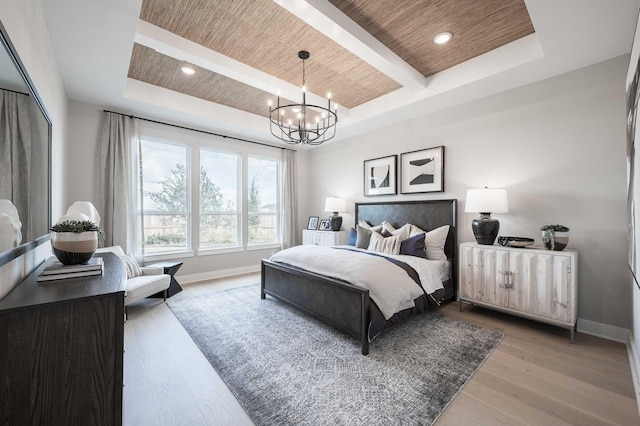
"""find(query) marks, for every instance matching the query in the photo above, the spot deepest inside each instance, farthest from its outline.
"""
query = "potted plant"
(74, 241)
(554, 237)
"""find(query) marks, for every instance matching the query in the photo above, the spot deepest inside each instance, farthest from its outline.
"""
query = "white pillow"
(403, 232)
(415, 231)
(434, 241)
(365, 224)
(131, 265)
(380, 244)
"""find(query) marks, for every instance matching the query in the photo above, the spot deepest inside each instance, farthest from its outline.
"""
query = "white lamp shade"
(86, 208)
(486, 200)
(335, 204)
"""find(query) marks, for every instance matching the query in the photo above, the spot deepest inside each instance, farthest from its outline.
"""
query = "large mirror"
(25, 152)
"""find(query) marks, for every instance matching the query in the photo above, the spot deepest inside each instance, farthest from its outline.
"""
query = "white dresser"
(534, 283)
(324, 238)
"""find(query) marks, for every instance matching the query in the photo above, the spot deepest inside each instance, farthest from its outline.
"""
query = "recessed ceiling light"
(442, 38)
(187, 69)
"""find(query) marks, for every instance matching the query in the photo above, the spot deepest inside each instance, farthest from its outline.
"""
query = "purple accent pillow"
(353, 237)
(414, 246)
(385, 233)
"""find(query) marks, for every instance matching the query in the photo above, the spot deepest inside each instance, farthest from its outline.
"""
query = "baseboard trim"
(634, 363)
(192, 278)
(606, 331)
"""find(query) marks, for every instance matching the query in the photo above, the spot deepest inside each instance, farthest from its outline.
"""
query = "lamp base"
(336, 222)
(485, 229)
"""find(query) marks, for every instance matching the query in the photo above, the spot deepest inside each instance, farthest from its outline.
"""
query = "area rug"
(286, 368)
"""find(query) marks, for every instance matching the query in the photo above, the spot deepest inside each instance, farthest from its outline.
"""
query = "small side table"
(169, 268)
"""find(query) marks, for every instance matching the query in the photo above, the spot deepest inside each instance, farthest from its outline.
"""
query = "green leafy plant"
(76, 226)
(554, 228)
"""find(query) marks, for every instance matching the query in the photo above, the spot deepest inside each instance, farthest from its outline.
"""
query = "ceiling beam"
(330, 21)
(170, 44)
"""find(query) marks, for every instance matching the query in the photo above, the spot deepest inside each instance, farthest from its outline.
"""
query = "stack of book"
(57, 271)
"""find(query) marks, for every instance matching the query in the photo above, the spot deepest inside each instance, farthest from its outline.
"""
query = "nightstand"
(324, 238)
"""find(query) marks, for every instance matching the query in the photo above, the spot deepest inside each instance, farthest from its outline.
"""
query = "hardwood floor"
(535, 376)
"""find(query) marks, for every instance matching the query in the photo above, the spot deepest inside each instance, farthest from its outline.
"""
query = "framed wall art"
(422, 171)
(380, 176)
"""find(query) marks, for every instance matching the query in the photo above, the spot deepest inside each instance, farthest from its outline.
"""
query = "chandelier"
(303, 123)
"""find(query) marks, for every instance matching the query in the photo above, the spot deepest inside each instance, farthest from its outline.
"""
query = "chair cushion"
(145, 285)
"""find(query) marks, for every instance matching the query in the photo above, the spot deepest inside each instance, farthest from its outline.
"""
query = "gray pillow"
(363, 237)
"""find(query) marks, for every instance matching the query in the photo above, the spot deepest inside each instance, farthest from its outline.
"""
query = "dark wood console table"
(61, 349)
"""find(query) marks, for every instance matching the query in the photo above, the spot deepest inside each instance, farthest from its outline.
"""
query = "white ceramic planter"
(73, 248)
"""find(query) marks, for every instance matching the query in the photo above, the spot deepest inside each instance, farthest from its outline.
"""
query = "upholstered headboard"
(427, 214)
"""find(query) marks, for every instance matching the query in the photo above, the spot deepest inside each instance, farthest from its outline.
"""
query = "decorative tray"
(515, 241)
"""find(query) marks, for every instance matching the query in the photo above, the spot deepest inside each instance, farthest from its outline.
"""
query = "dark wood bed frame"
(343, 305)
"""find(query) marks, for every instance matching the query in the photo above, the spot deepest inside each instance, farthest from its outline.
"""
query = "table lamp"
(486, 201)
(335, 205)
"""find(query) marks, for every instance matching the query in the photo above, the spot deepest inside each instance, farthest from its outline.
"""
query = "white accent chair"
(152, 280)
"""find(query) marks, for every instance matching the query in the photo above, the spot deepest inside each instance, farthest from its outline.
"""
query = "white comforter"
(390, 287)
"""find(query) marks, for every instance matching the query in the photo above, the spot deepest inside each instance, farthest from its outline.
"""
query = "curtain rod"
(14, 91)
(200, 131)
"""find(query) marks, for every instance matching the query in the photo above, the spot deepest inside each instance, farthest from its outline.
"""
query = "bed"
(348, 307)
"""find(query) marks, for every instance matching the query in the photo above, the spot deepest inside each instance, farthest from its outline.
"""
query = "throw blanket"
(390, 287)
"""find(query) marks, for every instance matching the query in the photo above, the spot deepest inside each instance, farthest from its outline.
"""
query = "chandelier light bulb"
(329, 95)
(304, 88)
(270, 103)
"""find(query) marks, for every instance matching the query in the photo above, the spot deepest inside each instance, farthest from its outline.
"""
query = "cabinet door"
(307, 237)
(484, 275)
(541, 285)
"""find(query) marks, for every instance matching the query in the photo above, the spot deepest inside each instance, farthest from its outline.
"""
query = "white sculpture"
(87, 209)
(10, 226)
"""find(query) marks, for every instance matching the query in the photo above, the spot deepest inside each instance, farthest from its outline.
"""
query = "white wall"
(24, 21)
(557, 146)
(83, 181)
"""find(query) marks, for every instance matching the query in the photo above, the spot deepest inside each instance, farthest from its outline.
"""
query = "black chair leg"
(164, 294)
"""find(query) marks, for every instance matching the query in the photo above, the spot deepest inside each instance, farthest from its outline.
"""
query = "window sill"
(264, 246)
(167, 256)
(221, 250)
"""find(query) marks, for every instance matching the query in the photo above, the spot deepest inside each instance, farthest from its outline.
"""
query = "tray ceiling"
(385, 47)
(266, 37)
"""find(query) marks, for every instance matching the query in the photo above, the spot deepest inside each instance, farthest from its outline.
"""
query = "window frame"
(188, 250)
(196, 142)
(239, 207)
(278, 212)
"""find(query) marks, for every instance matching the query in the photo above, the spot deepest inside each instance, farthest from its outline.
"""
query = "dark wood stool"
(168, 268)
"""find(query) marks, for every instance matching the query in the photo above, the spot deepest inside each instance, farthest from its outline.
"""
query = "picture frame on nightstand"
(325, 225)
(313, 223)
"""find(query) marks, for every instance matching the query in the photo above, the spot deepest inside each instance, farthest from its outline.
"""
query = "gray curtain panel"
(122, 224)
(15, 155)
(289, 199)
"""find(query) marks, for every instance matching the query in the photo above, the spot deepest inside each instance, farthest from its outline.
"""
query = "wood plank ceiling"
(267, 37)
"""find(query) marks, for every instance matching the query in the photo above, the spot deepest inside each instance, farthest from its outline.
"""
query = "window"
(219, 214)
(263, 206)
(207, 195)
(165, 201)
